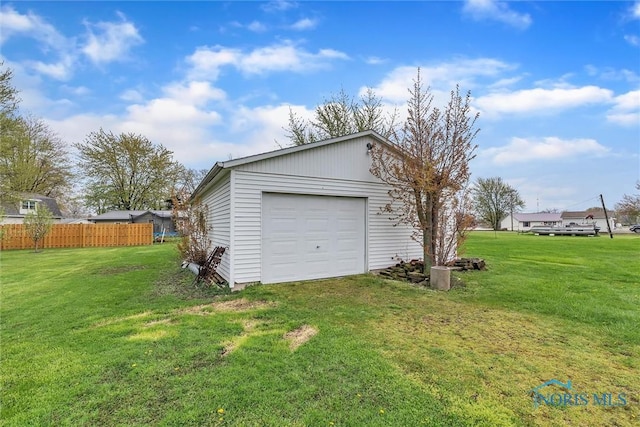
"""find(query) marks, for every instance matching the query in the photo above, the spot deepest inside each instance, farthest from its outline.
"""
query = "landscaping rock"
(412, 271)
(416, 276)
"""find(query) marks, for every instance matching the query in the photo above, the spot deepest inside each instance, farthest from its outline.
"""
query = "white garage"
(301, 213)
(311, 237)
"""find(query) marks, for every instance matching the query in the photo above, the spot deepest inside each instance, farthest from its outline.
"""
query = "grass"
(119, 337)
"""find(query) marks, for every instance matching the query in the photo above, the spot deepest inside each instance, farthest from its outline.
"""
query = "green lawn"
(118, 337)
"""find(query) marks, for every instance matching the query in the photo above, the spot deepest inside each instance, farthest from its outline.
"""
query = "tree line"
(123, 171)
(426, 164)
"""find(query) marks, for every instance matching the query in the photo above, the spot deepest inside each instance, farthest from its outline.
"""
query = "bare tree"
(342, 115)
(38, 224)
(190, 217)
(629, 206)
(494, 199)
(427, 166)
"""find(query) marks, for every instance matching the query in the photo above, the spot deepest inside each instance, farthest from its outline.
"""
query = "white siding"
(218, 201)
(384, 241)
(347, 160)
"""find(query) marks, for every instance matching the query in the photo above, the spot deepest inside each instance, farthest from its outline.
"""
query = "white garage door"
(311, 237)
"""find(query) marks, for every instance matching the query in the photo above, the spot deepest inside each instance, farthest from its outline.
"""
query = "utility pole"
(606, 217)
(511, 200)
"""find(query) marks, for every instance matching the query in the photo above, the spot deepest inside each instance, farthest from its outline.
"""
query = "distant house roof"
(13, 208)
(128, 215)
(530, 217)
(584, 214)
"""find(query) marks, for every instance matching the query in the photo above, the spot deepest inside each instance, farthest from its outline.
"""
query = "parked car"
(635, 228)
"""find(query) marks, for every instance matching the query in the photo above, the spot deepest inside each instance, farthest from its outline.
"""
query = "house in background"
(589, 217)
(162, 220)
(305, 212)
(15, 211)
(524, 221)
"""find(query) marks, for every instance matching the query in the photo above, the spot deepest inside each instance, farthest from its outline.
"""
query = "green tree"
(8, 106)
(494, 199)
(38, 224)
(8, 94)
(427, 168)
(126, 172)
(34, 159)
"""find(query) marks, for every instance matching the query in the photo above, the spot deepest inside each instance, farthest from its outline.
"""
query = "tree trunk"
(435, 226)
(426, 244)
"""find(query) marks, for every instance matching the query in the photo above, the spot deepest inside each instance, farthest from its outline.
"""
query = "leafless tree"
(427, 168)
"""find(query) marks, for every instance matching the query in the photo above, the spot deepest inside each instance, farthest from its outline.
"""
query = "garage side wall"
(218, 201)
(384, 242)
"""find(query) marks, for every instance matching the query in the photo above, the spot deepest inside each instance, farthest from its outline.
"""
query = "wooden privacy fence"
(79, 236)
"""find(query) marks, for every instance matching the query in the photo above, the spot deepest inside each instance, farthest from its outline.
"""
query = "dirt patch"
(236, 305)
(249, 325)
(179, 283)
(112, 321)
(299, 336)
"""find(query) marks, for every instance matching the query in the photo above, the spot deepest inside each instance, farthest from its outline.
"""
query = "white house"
(524, 221)
(304, 212)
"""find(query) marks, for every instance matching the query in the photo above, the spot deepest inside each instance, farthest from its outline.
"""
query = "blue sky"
(557, 84)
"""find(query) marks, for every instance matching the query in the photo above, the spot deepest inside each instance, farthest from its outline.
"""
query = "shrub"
(191, 221)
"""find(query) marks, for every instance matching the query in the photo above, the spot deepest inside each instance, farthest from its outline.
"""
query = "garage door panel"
(309, 237)
(284, 247)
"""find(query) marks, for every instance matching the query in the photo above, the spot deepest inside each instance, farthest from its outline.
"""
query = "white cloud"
(521, 150)
(609, 73)
(502, 83)
(106, 41)
(132, 95)
(33, 26)
(30, 25)
(632, 40)
(541, 100)
(635, 10)
(61, 70)
(207, 62)
(441, 77)
(626, 109)
(304, 24)
(78, 90)
(374, 60)
(194, 93)
(279, 6)
(111, 41)
(497, 11)
(257, 27)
